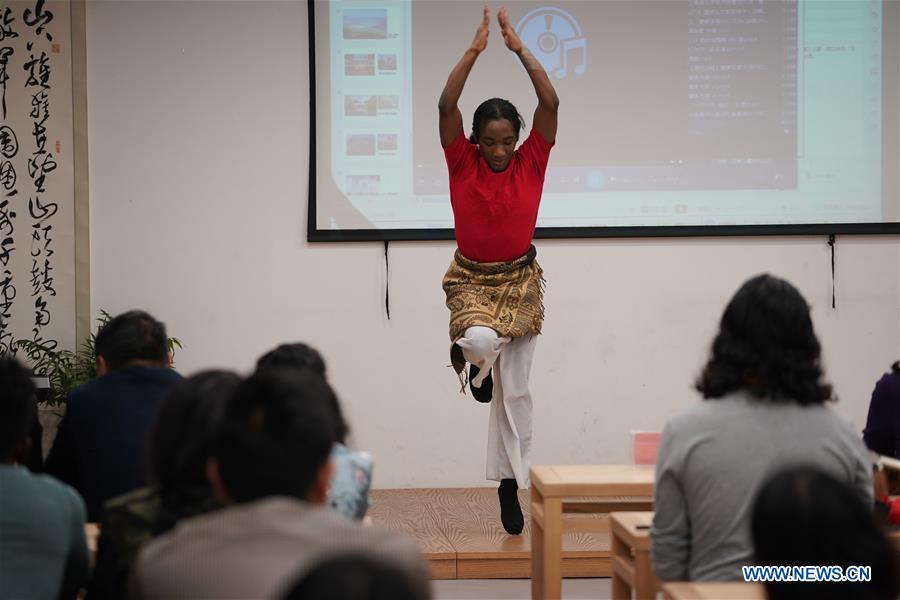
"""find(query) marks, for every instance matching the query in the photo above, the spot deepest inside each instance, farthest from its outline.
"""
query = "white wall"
(198, 159)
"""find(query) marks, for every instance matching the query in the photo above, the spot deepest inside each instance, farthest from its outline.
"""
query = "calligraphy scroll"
(37, 209)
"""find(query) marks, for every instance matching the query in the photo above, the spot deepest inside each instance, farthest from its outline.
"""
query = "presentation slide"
(672, 113)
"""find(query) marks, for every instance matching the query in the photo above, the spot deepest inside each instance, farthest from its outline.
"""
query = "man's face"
(497, 142)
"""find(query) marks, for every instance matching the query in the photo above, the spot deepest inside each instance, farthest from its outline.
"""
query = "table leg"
(551, 566)
(537, 545)
(644, 579)
(621, 588)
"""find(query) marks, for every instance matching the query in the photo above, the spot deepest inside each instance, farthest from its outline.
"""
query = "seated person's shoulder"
(346, 535)
(86, 390)
(696, 417)
(157, 375)
(171, 374)
(64, 495)
(841, 424)
(142, 505)
(160, 552)
(889, 386)
(52, 485)
(132, 519)
(140, 372)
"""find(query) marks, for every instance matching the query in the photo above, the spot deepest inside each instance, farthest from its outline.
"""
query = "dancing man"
(494, 285)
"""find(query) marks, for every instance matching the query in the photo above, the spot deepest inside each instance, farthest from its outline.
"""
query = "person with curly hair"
(764, 408)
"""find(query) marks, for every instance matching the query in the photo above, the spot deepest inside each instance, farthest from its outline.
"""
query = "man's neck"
(140, 362)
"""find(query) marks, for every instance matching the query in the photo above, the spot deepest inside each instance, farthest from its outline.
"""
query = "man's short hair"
(297, 355)
(17, 406)
(303, 356)
(277, 433)
(134, 335)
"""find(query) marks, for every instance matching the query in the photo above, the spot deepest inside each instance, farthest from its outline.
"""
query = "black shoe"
(486, 391)
(510, 511)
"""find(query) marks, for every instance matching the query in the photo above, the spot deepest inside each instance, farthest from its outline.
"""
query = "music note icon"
(567, 47)
(553, 36)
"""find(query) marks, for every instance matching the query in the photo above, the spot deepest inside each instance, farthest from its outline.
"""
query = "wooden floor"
(460, 534)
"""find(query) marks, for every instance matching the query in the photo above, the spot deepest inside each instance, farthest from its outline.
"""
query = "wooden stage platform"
(460, 534)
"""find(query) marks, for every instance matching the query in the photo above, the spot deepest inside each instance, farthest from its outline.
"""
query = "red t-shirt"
(495, 213)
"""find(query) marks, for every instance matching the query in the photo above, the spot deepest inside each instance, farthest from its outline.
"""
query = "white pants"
(509, 427)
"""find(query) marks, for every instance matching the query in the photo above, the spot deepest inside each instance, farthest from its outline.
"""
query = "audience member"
(99, 446)
(882, 436)
(43, 551)
(181, 443)
(272, 467)
(882, 432)
(355, 577)
(352, 475)
(296, 356)
(764, 408)
(804, 516)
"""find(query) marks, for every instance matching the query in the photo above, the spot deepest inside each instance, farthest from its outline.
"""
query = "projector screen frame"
(890, 179)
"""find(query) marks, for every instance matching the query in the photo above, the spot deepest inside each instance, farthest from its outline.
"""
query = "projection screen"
(695, 117)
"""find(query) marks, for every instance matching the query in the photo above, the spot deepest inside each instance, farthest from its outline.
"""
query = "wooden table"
(631, 566)
(605, 484)
(713, 590)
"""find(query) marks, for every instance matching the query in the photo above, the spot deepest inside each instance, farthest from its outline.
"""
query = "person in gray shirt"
(764, 409)
(271, 468)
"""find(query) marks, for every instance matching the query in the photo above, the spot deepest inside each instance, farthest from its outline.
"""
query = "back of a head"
(355, 577)
(17, 408)
(766, 344)
(297, 355)
(803, 516)
(132, 336)
(185, 432)
(302, 356)
(277, 433)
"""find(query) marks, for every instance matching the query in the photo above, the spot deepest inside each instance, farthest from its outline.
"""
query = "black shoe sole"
(484, 393)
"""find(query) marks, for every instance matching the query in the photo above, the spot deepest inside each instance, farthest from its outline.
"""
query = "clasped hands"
(510, 37)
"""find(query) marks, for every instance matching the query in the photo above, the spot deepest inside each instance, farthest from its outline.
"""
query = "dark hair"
(494, 110)
(803, 516)
(895, 368)
(766, 345)
(17, 407)
(134, 335)
(297, 355)
(184, 433)
(277, 432)
(301, 356)
(355, 577)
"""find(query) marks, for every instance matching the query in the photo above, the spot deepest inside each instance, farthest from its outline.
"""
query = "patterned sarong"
(508, 297)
